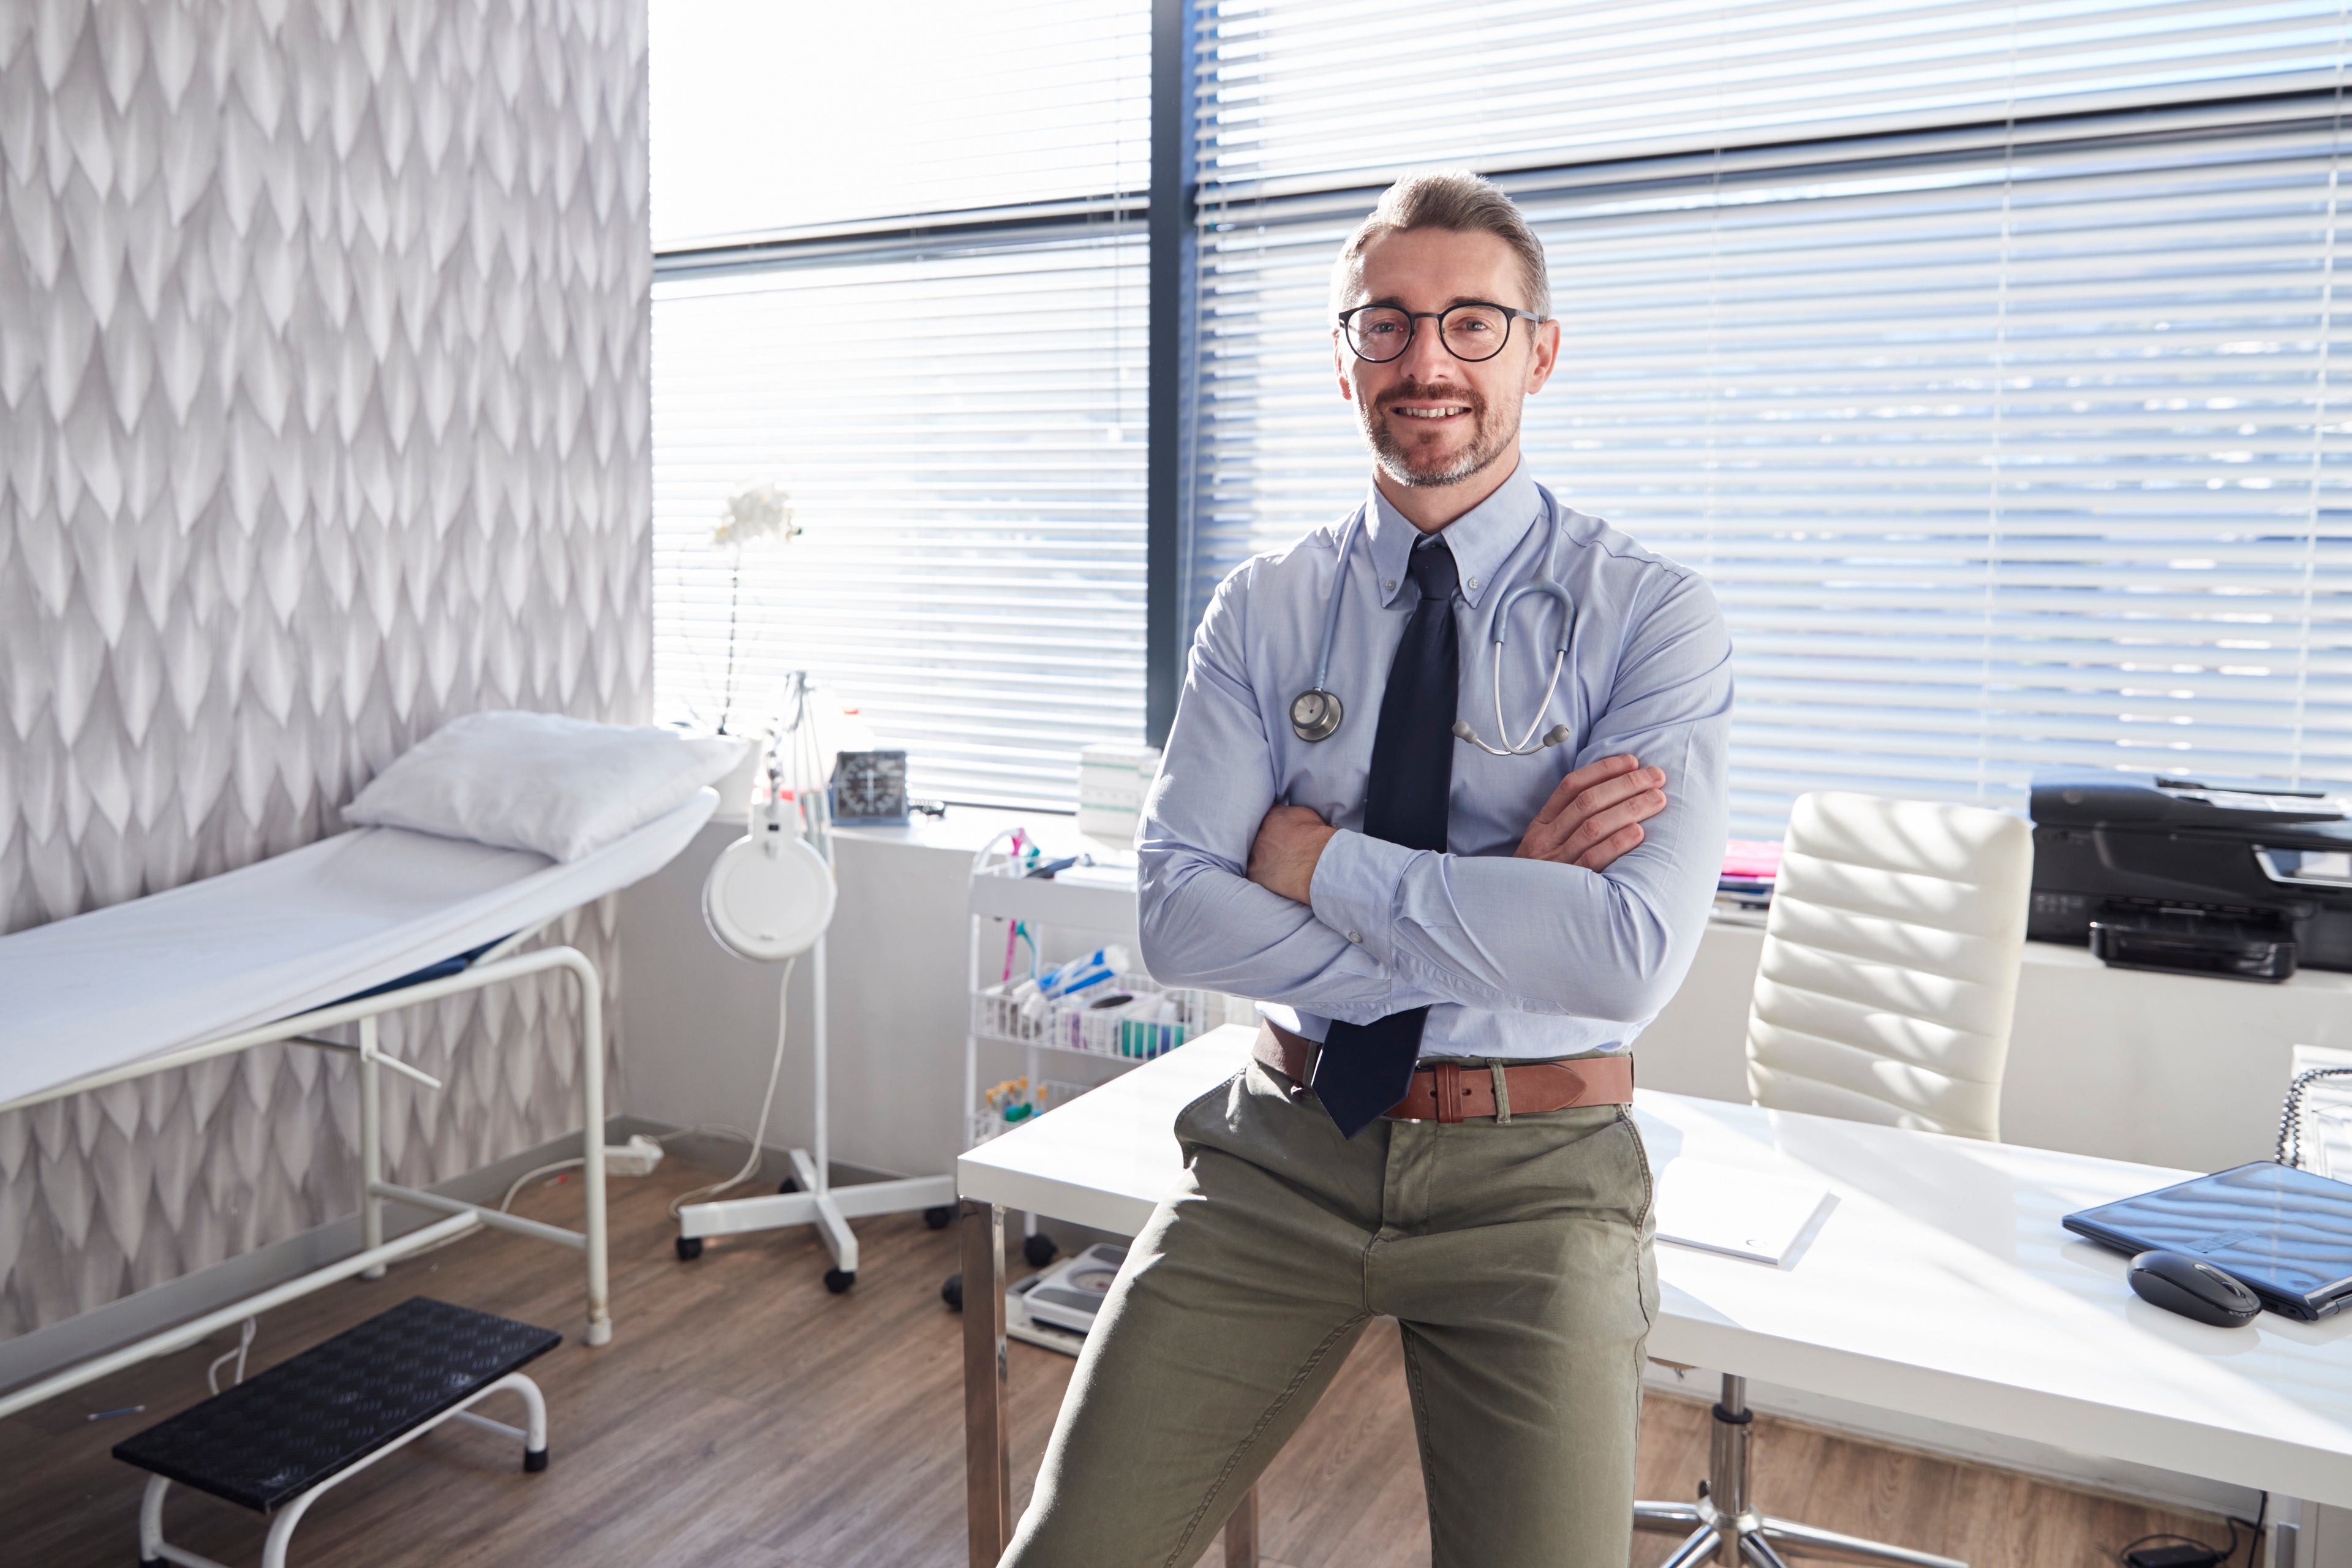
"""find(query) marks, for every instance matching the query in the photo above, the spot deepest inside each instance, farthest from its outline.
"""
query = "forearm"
(1204, 924)
(1516, 935)
(1539, 935)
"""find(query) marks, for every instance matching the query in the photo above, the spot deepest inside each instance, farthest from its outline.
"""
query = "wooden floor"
(744, 1418)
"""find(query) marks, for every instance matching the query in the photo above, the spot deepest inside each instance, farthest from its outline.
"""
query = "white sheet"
(282, 936)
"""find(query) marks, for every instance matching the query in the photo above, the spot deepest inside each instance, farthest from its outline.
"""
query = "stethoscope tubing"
(1332, 610)
(1525, 745)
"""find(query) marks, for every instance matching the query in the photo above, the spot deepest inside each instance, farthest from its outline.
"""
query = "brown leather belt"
(1446, 1091)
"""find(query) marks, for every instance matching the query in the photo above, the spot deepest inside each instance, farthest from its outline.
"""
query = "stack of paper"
(1747, 1213)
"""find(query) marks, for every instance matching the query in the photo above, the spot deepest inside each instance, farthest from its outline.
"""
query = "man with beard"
(1456, 942)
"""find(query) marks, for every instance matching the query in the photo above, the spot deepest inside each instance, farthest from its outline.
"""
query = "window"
(2003, 444)
(1985, 357)
(906, 286)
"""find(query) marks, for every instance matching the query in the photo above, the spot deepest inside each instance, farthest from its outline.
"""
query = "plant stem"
(734, 601)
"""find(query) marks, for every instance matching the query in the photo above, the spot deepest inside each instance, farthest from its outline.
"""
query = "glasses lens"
(1379, 332)
(1476, 332)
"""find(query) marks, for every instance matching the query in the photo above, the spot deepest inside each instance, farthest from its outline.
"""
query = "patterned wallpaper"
(323, 419)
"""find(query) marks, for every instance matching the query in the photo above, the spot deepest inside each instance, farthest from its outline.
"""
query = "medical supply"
(1151, 1026)
(1315, 713)
(1012, 1101)
(1083, 973)
(869, 788)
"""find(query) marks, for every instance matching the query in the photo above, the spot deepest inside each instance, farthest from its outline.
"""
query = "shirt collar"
(1480, 538)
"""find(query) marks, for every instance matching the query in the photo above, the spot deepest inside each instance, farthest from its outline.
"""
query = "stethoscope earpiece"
(1527, 745)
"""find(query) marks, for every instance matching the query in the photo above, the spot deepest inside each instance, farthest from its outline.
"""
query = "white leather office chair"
(1884, 993)
(1890, 963)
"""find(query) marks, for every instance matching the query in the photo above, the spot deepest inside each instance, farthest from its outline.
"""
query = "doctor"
(1460, 946)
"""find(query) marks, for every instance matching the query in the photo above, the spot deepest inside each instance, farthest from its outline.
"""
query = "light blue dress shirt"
(1513, 958)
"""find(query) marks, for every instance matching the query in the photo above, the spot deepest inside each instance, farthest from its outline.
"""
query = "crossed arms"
(1596, 914)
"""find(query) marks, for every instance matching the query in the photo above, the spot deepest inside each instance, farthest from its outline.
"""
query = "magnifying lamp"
(770, 894)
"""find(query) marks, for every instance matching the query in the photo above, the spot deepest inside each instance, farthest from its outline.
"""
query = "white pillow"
(561, 786)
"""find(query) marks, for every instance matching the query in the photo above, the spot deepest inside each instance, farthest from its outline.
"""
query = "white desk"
(1940, 1283)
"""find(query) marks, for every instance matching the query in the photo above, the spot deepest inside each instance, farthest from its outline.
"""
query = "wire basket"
(985, 1123)
(998, 1017)
(1105, 1032)
(1075, 1026)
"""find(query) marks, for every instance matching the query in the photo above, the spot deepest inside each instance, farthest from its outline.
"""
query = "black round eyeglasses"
(1472, 331)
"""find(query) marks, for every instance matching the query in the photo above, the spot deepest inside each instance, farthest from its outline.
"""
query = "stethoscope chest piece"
(1315, 715)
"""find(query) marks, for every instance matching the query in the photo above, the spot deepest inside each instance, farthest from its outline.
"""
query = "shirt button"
(1355, 936)
(1389, 587)
(1474, 585)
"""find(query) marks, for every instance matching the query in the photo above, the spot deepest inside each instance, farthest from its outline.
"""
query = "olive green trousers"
(1515, 1256)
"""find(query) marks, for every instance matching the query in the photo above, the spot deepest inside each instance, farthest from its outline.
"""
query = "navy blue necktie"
(1366, 1068)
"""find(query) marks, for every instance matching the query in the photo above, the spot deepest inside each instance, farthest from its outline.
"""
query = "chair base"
(1723, 1526)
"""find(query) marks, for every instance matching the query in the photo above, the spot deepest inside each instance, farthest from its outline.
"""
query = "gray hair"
(1451, 199)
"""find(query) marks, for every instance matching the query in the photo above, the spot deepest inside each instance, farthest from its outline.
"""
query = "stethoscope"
(1315, 713)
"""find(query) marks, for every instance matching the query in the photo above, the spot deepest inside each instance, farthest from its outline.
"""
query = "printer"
(2244, 879)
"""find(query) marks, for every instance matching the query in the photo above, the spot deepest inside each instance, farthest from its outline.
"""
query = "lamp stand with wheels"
(1724, 1525)
(769, 898)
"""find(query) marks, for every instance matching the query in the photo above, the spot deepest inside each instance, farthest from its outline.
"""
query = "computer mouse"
(2194, 1289)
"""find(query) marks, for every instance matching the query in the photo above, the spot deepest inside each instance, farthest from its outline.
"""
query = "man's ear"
(1339, 368)
(1545, 340)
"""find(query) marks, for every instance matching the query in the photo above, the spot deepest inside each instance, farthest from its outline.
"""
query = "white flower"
(757, 513)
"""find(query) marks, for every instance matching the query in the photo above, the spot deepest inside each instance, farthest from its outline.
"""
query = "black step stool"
(278, 1441)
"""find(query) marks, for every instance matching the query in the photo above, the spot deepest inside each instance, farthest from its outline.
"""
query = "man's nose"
(1425, 359)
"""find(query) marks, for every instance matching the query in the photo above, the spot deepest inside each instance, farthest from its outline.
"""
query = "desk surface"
(1940, 1282)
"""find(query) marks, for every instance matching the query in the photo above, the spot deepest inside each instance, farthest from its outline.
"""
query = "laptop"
(2285, 1234)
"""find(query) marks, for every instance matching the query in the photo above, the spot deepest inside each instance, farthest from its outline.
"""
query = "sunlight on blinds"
(962, 437)
(1995, 461)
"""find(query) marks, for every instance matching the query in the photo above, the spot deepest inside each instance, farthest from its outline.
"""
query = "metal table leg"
(2286, 1534)
(1240, 1533)
(987, 1449)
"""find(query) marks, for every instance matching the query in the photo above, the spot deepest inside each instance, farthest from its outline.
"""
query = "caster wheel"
(689, 1248)
(941, 1217)
(951, 1293)
(789, 1184)
(838, 1282)
(1038, 1250)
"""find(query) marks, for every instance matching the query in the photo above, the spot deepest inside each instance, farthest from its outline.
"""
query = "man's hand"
(1282, 856)
(1594, 816)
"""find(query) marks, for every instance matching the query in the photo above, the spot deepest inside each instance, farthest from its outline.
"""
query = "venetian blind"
(961, 436)
(2000, 450)
(1312, 94)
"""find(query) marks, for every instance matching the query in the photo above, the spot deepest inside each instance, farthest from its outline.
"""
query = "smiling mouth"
(1430, 411)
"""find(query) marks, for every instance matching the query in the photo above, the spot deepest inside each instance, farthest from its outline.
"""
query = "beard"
(1409, 463)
